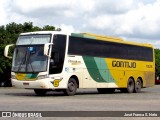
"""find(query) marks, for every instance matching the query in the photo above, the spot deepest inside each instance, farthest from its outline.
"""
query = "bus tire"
(130, 85)
(40, 92)
(138, 86)
(72, 87)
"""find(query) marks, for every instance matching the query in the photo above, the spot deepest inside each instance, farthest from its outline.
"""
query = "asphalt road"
(12, 99)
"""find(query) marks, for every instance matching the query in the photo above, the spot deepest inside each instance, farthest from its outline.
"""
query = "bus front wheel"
(72, 87)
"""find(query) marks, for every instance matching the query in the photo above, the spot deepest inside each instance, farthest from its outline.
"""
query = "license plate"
(25, 83)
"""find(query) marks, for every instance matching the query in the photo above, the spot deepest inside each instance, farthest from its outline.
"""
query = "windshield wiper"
(23, 61)
(30, 64)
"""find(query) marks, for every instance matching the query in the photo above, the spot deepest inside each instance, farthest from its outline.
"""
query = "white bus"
(52, 60)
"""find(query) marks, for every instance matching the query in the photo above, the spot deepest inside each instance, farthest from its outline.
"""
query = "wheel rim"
(71, 86)
(130, 86)
(138, 85)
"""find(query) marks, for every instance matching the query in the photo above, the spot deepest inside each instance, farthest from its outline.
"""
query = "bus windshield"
(29, 58)
(33, 39)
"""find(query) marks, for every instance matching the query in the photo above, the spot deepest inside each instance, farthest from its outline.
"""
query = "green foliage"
(47, 27)
(157, 62)
(5, 63)
(9, 35)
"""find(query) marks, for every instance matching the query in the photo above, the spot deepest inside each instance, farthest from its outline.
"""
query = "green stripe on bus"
(31, 76)
(104, 70)
(83, 35)
(95, 69)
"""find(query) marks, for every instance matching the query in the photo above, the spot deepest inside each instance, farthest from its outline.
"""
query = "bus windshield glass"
(29, 58)
(33, 39)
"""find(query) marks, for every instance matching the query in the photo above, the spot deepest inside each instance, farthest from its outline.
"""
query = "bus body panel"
(90, 69)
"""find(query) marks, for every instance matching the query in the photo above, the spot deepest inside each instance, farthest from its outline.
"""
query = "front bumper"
(39, 84)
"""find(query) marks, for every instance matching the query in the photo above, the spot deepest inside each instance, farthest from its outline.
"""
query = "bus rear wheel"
(138, 86)
(130, 86)
(40, 92)
(72, 87)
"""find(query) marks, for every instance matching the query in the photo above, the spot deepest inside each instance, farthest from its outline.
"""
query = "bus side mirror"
(46, 48)
(7, 49)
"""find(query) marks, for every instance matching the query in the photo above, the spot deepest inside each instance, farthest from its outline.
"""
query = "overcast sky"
(133, 20)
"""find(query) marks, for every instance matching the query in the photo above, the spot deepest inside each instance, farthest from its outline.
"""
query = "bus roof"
(46, 32)
(90, 35)
(96, 36)
(108, 38)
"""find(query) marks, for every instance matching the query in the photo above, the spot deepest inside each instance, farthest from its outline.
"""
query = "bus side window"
(54, 63)
(54, 59)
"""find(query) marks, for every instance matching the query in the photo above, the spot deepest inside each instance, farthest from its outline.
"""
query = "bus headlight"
(41, 77)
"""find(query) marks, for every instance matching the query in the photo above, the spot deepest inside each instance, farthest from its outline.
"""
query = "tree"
(157, 62)
(47, 27)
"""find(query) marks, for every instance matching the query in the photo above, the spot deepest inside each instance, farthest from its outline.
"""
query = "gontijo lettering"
(124, 64)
